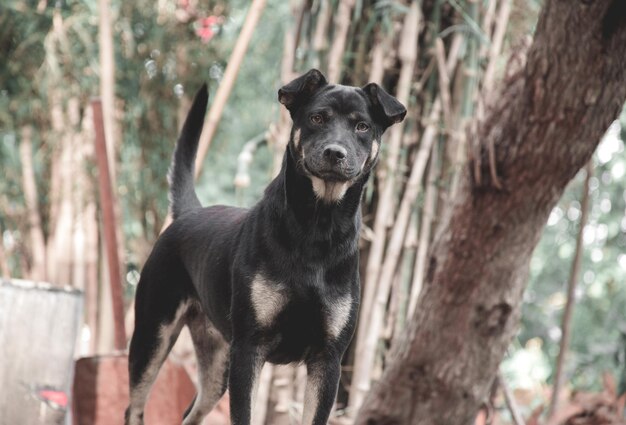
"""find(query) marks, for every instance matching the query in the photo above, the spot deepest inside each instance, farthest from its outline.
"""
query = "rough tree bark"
(544, 126)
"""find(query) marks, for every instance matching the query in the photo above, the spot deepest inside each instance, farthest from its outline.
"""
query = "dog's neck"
(300, 206)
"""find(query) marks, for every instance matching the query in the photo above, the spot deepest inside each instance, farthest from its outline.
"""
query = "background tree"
(470, 306)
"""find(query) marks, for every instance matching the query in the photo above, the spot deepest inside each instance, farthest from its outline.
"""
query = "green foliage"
(599, 321)
(160, 60)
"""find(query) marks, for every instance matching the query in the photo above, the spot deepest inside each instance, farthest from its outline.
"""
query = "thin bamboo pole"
(444, 82)
(377, 65)
(107, 205)
(228, 81)
(320, 40)
(337, 50)
(571, 290)
(425, 232)
(496, 45)
(262, 396)
(107, 81)
(4, 265)
(487, 23)
(38, 245)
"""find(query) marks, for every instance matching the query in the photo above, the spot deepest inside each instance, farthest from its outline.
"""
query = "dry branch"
(228, 80)
(566, 323)
(511, 404)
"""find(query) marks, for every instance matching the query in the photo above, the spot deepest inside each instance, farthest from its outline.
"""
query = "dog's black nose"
(335, 153)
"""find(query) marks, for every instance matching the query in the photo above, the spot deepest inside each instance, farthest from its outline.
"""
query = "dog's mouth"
(331, 175)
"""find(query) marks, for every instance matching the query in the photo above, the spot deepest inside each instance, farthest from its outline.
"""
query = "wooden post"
(110, 237)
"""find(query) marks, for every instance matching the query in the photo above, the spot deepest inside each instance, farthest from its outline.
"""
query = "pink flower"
(205, 34)
(206, 27)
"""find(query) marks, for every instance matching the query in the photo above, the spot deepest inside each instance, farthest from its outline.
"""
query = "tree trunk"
(547, 121)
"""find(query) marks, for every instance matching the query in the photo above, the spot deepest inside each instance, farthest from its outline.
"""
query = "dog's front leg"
(246, 362)
(321, 389)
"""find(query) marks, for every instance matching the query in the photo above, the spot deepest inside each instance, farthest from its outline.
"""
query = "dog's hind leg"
(212, 353)
(149, 347)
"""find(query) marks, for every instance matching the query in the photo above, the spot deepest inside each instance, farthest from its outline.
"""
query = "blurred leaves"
(599, 323)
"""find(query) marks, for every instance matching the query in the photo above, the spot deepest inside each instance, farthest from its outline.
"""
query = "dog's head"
(336, 130)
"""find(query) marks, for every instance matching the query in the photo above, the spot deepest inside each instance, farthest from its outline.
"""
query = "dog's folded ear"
(292, 95)
(387, 109)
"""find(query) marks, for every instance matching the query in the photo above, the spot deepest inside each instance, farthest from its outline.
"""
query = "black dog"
(278, 282)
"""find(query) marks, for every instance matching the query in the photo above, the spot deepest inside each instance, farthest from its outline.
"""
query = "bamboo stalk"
(320, 41)
(377, 65)
(306, 7)
(62, 252)
(337, 49)
(571, 291)
(4, 265)
(394, 305)
(244, 159)
(496, 45)
(90, 223)
(281, 395)
(57, 121)
(38, 245)
(262, 396)
(487, 24)
(79, 191)
(425, 232)
(107, 82)
(228, 81)
(444, 82)
(400, 292)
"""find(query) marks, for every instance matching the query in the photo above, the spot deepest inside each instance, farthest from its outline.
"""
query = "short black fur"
(278, 282)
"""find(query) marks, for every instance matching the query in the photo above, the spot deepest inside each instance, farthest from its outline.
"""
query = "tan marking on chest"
(267, 300)
(339, 313)
(329, 191)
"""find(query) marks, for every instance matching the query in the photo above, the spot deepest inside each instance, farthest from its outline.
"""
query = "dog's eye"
(362, 127)
(317, 119)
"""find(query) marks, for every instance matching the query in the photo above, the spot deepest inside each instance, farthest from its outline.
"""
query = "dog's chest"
(298, 312)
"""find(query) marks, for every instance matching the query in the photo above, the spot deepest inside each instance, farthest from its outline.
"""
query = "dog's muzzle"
(332, 163)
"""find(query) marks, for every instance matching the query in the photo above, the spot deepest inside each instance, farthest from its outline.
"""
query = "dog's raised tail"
(181, 175)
